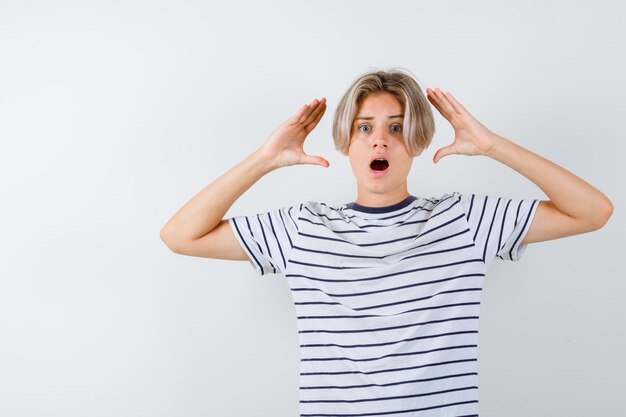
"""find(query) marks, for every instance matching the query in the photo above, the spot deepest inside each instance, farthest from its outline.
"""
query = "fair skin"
(573, 206)
(199, 228)
(377, 129)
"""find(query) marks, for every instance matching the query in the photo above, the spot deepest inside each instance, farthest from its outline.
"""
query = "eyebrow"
(370, 118)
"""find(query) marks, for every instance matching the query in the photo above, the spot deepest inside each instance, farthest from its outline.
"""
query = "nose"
(380, 141)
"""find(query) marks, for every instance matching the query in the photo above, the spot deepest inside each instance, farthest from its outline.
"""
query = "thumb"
(441, 152)
(314, 160)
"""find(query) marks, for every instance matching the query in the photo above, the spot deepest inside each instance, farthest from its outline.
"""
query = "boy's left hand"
(470, 136)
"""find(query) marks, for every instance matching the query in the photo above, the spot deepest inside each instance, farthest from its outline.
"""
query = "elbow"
(605, 214)
(609, 209)
(167, 239)
(163, 235)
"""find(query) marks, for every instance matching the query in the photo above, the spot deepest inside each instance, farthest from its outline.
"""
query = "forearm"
(569, 193)
(206, 209)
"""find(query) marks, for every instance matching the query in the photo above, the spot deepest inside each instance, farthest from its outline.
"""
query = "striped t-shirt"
(387, 298)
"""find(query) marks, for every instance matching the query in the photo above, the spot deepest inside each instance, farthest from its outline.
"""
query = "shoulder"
(467, 199)
(450, 197)
(321, 209)
(448, 202)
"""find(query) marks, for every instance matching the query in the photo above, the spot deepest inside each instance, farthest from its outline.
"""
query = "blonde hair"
(418, 124)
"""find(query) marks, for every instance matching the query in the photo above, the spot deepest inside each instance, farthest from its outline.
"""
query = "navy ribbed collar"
(386, 209)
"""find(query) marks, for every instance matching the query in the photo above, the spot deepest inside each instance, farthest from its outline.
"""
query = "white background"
(114, 114)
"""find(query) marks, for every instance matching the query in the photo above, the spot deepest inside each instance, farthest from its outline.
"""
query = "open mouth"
(379, 165)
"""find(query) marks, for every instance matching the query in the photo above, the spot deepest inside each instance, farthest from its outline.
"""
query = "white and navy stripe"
(387, 299)
(499, 224)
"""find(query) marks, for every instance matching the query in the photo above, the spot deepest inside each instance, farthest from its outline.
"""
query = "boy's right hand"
(284, 147)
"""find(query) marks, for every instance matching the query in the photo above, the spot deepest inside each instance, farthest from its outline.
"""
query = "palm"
(285, 146)
(467, 141)
(470, 136)
(290, 140)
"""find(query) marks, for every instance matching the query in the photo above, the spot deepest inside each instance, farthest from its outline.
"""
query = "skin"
(573, 205)
(381, 134)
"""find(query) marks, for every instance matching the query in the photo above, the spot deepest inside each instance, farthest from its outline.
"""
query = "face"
(377, 130)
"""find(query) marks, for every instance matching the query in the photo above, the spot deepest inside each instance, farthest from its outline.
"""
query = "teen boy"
(386, 288)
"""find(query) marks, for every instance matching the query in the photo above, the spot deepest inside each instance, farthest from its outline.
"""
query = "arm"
(187, 232)
(574, 206)
(198, 228)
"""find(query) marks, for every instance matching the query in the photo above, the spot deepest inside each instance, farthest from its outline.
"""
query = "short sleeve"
(498, 224)
(268, 238)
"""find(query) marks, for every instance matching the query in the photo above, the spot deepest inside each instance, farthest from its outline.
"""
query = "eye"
(363, 126)
(398, 126)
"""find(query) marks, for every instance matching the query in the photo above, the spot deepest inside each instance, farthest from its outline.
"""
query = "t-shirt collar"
(386, 209)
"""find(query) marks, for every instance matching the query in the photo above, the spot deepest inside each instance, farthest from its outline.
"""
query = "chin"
(381, 187)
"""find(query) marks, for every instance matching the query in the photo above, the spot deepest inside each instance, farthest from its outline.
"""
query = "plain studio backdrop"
(114, 114)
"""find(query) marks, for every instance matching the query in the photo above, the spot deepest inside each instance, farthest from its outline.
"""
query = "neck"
(372, 199)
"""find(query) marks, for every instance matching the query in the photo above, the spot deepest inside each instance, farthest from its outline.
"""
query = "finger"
(314, 160)
(320, 108)
(457, 106)
(443, 101)
(309, 127)
(434, 100)
(313, 106)
(294, 119)
(436, 103)
(303, 115)
(446, 150)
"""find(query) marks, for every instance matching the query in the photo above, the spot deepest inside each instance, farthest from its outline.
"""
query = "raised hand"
(470, 136)
(284, 147)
